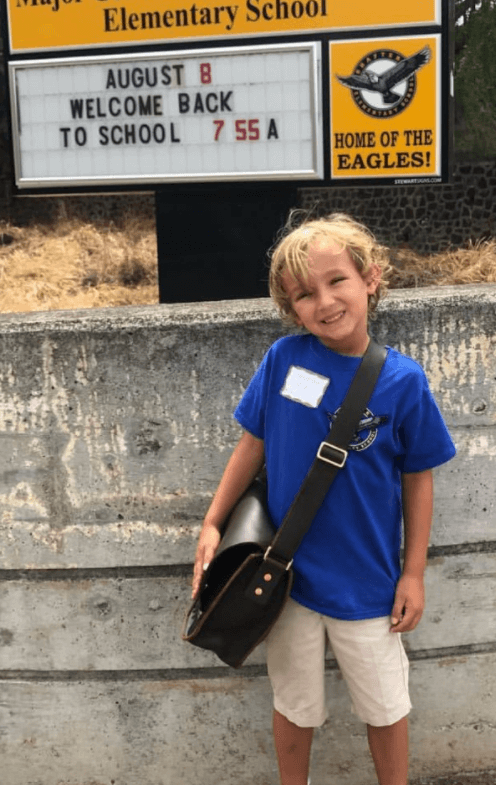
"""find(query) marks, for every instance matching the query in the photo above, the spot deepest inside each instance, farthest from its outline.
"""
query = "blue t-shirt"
(348, 564)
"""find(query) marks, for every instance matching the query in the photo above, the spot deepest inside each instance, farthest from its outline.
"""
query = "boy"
(326, 276)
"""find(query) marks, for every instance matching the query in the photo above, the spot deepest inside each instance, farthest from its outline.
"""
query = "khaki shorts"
(372, 661)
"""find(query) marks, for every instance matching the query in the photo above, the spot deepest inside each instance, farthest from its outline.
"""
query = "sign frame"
(315, 173)
(443, 27)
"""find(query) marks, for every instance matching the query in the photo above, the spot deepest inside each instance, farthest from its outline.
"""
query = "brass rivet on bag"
(267, 577)
(258, 592)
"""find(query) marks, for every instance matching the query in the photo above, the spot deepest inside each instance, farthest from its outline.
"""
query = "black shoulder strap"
(331, 456)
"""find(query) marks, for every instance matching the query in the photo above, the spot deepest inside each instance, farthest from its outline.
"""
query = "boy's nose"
(325, 298)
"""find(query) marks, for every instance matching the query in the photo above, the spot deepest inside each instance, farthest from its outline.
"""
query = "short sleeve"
(423, 433)
(250, 411)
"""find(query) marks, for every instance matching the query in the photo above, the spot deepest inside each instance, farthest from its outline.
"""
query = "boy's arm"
(417, 515)
(242, 467)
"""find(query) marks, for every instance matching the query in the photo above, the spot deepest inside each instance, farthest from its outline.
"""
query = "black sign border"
(445, 29)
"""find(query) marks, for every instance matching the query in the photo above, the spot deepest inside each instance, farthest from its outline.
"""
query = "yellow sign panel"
(385, 108)
(54, 24)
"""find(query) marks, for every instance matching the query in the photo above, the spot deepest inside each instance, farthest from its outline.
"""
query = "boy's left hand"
(408, 604)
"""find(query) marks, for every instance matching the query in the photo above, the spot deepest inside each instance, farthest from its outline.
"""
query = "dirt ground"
(70, 264)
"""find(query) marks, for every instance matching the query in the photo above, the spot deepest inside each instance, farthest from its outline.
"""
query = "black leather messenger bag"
(244, 589)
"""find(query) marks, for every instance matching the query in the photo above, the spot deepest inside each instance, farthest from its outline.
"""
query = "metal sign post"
(212, 245)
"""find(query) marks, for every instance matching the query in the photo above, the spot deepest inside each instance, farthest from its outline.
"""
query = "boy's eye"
(338, 279)
(301, 295)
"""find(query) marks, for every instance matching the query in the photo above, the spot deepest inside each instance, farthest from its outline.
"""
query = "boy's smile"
(332, 301)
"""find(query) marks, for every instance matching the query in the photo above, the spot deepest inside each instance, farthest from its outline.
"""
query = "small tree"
(475, 77)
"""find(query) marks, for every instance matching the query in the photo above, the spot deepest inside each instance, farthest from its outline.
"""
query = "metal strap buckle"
(266, 554)
(342, 454)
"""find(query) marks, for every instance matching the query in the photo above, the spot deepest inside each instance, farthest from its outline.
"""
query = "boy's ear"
(373, 278)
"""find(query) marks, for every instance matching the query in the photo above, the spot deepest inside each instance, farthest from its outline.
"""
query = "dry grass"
(473, 264)
(74, 264)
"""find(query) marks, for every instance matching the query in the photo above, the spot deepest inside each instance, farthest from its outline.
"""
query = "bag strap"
(331, 457)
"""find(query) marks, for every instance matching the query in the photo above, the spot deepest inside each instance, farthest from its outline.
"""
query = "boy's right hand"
(207, 545)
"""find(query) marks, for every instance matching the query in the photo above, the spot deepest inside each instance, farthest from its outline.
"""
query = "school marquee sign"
(314, 91)
(223, 114)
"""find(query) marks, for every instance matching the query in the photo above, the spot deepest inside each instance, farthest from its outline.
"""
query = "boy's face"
(333, 302)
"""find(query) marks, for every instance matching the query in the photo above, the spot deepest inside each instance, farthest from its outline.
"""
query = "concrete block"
(149, 732)
(134, 624)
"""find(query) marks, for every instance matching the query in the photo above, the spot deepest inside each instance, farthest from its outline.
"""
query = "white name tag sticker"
(304, 386)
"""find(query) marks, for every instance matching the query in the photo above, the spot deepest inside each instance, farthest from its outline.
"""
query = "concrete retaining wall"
(115, 426)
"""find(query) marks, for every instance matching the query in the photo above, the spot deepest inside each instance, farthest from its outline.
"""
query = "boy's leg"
(295, 664)
(375, 667)
(389, 748)
(293, 746)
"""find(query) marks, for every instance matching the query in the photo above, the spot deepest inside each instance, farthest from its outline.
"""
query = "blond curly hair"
(290, 254)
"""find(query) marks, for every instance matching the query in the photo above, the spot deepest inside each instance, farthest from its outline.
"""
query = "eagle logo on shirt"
(366, 432)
